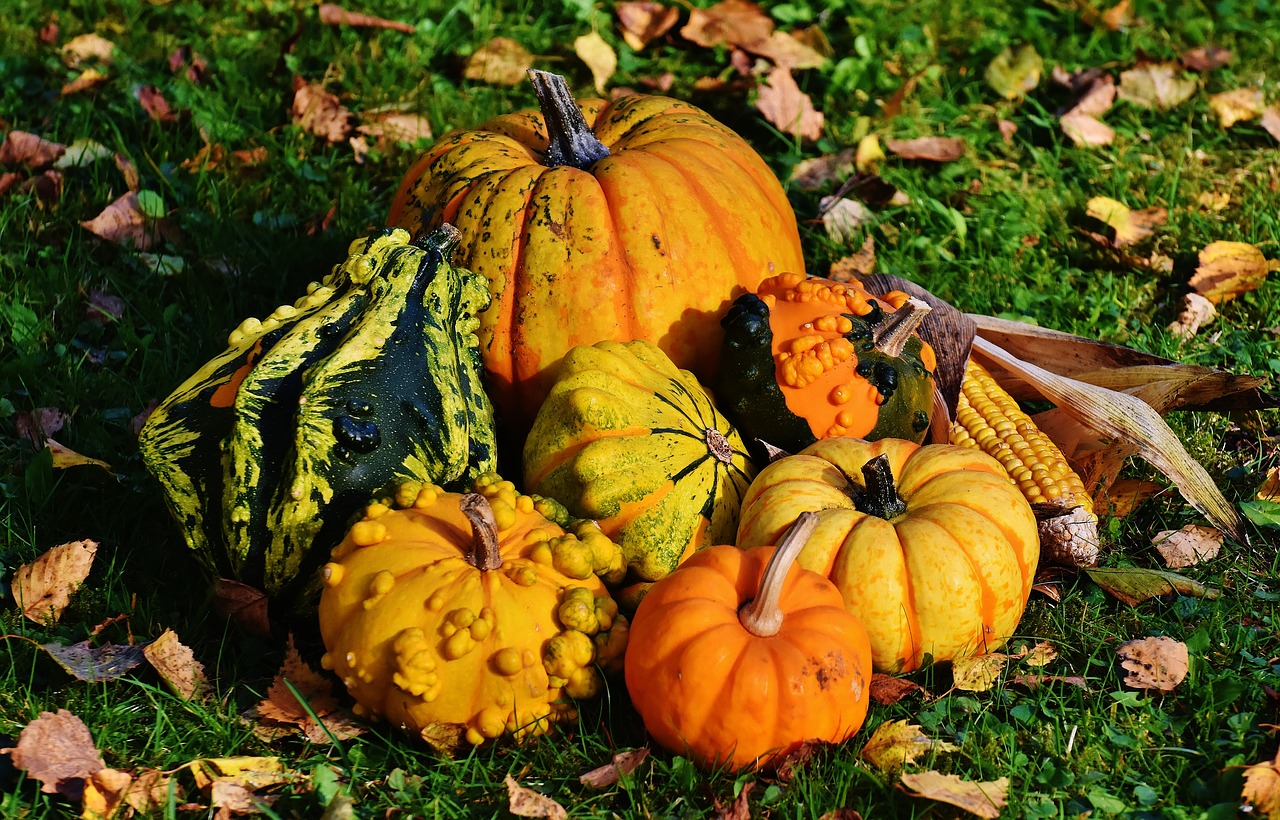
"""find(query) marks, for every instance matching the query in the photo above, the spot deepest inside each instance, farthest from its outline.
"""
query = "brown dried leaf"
(153, 102)
(978, 673)
(1124, 495)
(524, 802)
(930, 149)
(124, 223)
(1156, 85)
(1206, 58)
(85, 80)
(730, 22)
(887, 690)
(1050, 591)
(623, 763)
(1130, 226)
(1262, 788)
(23, 148)
(1238, 105)
(37, 425)
(1154, 663)
(1034, 682)
(64, 457)
(320, 112)
(334, 15)
(44, 587)
(740, 808)
(1197, 311)
(1042, 654)
(843, 218)
(1097, 98)
(1007, 129)
(1271, 122)
(87, 47)
(645, 21)
(177, 665)
(282, 705)
(789, 109)
(132, 180)
(1188, 546)
(599, 56)
(243, 605)
(896, 743)
(811, 174)
(1270, 489)
(860, 264)
(104, 793)
(1086, 130)
(501, 61)
(93, 664)
(786, 51)
(57, 750)
(1228, 269)
(841, 814)
(393, 126)
(984, 799)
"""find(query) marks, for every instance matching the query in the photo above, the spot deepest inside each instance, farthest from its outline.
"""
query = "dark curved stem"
(571, 140)
(485, 553)
(880, 498)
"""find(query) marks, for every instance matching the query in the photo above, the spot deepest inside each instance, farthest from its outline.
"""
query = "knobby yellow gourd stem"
(762, 617)
(570, 139)
(485, 553)
(891, 334)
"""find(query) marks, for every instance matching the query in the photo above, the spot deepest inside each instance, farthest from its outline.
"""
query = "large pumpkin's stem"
(891, 334)
(485, 553)
(762, 617)
(571, 140)
(880, 498)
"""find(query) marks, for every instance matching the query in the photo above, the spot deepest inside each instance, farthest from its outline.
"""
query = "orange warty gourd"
(932, 547)
(738, 656)
(640, 218)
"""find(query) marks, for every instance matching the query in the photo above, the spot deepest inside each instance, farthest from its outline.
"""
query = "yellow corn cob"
(988, 419)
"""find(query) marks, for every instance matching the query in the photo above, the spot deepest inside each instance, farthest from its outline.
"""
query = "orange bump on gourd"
(738, 656)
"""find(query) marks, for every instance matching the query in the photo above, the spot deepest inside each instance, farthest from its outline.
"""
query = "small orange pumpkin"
(738, 656)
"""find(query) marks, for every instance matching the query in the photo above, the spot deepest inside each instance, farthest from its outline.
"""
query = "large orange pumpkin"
(932, 547)
(641, 218)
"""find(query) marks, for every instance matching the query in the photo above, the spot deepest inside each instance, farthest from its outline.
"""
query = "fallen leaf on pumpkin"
(623, 763)
(1130, 226)
(319, 112)
(862, 263)
(87, 47)
(1228, 269)
(1238, 105)
(57, 750)
(984, 799)
(1188, 546)
(1134, 585)
(811, 174)
(1261, 788)
(930, 149)
(643, 22)
(1125, 494)
(30, 150)
(153, 102)
(1271, 122)
(94, 664)
(599, 56)
(64, 457)
(334, 15)
(176, 665)
(789, 109)
(868, 155)
(43, 588)
(501, 61)
(1154, 663)
(1042, 654)
(1206, 58)
(1197, 311)
(1156, 85)
(524, 802)
(730, 22)
(843, 218)
(85, 80)
(1083, 129)
(978, 673)
(38, 424)
(1013, 73)
(896, 743)
(124, 223)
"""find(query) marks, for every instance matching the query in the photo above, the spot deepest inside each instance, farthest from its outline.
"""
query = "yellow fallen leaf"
(88, 47)
(1270, 489)
(1214, 200)
(895, 743)
(251, 772)
(1159, 663)
(1238, 105)
(176, 665)
(599, 57)
(501, 61)
(43, 588)
(1228, 269)
(1013, 73)
(64, 457)
(1156, 85)
(1042, 654)
(978, 673)
(1125, 494)
(1262, 788)
(984, 799)
(1130, 226)
(869, 154)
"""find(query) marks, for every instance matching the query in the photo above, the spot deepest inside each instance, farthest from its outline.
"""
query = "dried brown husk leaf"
(43, 588)
(643, 22)
(984, 799)
(1237, 105)
(1188, 546)
(1158, 663)
(1125, 418)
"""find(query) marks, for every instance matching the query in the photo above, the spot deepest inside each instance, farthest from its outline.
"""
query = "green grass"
(993, 233)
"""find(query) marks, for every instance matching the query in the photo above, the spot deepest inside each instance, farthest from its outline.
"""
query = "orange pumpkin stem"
(880, 498)
(891, 334)
(485, 553)
(570, 138)
(762, 616)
